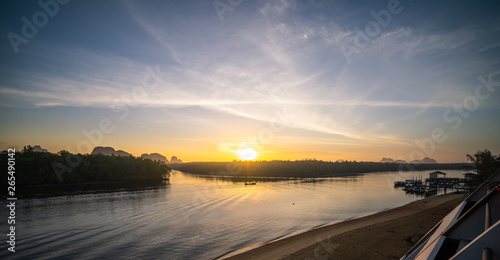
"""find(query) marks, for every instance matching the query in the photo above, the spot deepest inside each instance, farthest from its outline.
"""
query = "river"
(194, 217)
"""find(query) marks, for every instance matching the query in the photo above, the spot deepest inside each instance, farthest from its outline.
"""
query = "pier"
(436, 180)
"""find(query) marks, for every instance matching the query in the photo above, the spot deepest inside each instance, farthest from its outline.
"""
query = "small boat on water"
(409, 183)
(399, 184)
(431, 191)
(250, 183)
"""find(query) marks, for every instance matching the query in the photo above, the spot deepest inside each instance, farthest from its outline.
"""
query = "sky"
(209, 80)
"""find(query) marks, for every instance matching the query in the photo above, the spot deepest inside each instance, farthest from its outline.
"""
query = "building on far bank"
(436, 174)
(471, 177)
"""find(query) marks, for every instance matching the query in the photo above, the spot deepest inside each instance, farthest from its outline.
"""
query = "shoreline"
(57, 189)
(384, 235)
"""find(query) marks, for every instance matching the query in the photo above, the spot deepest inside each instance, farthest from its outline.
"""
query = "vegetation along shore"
(303, 168)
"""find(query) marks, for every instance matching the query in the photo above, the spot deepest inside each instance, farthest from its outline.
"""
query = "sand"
(385, 235)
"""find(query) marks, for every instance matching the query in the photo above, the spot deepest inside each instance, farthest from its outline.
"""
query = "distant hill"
(174, 159)
(35, 148)
(109, 151)
(426, 160)
(387, 160)
(154, 157)
(390, 160)
(38, 148)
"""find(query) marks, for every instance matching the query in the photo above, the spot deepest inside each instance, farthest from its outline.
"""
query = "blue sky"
(201, 79)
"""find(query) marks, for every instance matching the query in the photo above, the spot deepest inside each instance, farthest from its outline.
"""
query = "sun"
(247, 154)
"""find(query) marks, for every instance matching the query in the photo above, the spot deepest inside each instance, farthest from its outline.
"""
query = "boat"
(250, 183)
(431, 191)
(399, 184)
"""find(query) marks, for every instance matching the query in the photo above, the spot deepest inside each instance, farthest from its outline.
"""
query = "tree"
(485, 162)
(63, 153)
(28, 149)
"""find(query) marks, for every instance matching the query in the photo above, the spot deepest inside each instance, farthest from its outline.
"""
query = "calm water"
(194, 217)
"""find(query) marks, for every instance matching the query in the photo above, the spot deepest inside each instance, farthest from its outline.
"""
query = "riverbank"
(59, 189)
(385, 235)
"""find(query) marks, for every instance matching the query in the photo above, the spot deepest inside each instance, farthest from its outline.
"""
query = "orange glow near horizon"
(224, 150)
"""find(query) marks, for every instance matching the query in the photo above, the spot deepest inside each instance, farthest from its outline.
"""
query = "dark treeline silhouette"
(484, 163)
(302, 168)
(35, 168)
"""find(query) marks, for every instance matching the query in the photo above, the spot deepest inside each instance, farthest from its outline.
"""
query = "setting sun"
(247, 154)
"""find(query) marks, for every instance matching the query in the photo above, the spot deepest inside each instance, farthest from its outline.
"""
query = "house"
(436, 174)
(471, 177)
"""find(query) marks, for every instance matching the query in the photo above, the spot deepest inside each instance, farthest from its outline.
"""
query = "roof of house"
(437, 172)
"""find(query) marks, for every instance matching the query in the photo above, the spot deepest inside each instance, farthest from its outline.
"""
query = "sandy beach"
(385, 235)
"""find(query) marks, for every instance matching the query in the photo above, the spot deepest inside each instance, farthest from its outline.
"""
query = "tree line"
(34, 168)
(302, 168)
(485, 163)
